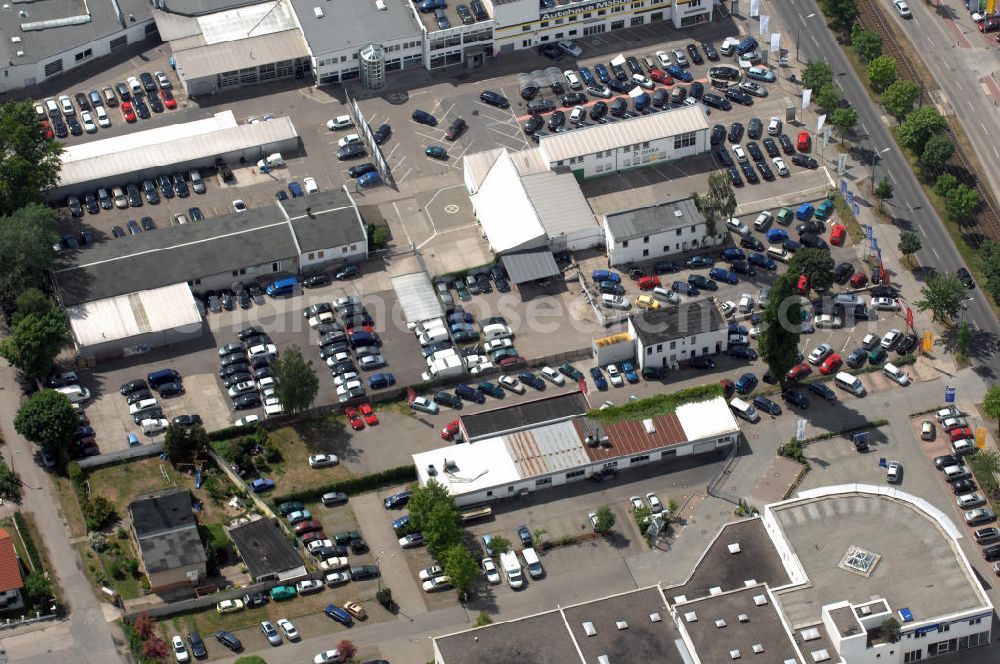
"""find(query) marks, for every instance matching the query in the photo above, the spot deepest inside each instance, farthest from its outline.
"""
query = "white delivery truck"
(446, 367)
(512, 569)
(531, 560)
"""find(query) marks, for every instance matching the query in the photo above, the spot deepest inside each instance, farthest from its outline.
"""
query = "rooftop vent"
(758, 648)
(603, 659)
(678, 213)
(318, 11)
(16, 40)
(380, 5)
(810, 634)
(20, 54)
(23, 14)
(691, 616)
(680, 598)
(655, 617)
(649, 426)
(591, 441)
(589, 629)
(621, 624)
(734, 654)
(866, 610)
(715, 590)
(820, 655)
(749, 582)
(759, 600)
(431, 470)
(743, 618)
(604, 440)
(720, 623)
(734, 547)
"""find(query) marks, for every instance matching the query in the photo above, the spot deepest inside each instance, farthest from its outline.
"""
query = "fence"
(128, 454)
(238, 481)
(714, 487)
(12, 624)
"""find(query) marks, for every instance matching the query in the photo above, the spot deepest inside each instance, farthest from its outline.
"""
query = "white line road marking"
(400, 163)
(971, 107)
(428, 137)
(403, 177)
(922, 231)
(995, 152)
(402, 223)
(846, 343)
(814, 40)
(392, 152)
(984, 129)
(935, 253)
(892, 177)
(957, 84)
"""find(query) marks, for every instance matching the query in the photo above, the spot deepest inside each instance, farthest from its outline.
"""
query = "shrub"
(98, 512)
(354, 485)
(661, 404)
(29, 543)
(234, 432)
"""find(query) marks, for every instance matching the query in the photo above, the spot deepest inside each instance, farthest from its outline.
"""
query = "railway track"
(986, 224)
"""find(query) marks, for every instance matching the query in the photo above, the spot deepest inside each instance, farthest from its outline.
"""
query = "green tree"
(945, 183)
(605, 519)
(31, 302)
(98, 512)
(718, 203)
(26, 239)
(640, 514)
(961, 204)
(816, 74)
(425, 498)
(780, 325)
(460, 567)
(986, 465)
(899, 98)
(250, 659)
(942, 296)
(963, 338)
(909, 243)
(37, 586)
(882, 72)
(47, 419)
(890, 630)
(817, 264)
(441, 527)
(182, 444)
(29, 163)
(937, 151)
(483, 619)
(500, 544)
(991, 403)
(988, 258)
(378, 236)
(35, 342)
(841, 12)
(883, 191)
(10, 485)
(868, 45)
(297, 383)
(827, 97)
(919, 126)
(844, 119)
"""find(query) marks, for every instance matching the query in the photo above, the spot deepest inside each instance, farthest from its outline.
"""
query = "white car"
(592, 516)
(655, 505)
(902, 8)
(328, 657)
(763, 220)
(637, 503)
(574, 80)
(430, 572)
(740, 154)
(310, 185)
(644, 82)
(239, 206)
(497, 344)
(736, 225)
(229, 606)
(893, 472)
(262, 350)
(511, 383)
(891, 338)
(490, 570)
(337, 578)
(945, 413)
(950, 423)
(180, 650)
(885, 304)
(779, 165)
(154, 426)
(553, 376)
(162, 80)
(321, 319)
(308, 586)
(315, 545)
(347, 387)
(970, 500)
(286, 626)
(340, 122)
(755, 331)
(728, 308)
(323, 460)
(820, 353)
(87, 120)
(345, 378)
(895, 373)
(774, 126)
(570, 47)
(425, 405)
(268, 382)
(680, 57)
(350, 138)
(615, 376)
(664, 59)
(67, 105)
(437, 583)
(242, 388)
(249, 419)
(334, 563)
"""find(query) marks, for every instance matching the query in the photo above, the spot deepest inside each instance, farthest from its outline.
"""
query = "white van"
(272, 161)
(952, 473)
(141, 405)
(432, 336)
(535, 570)
(154, 426)
(615, 301)
(744, 410)
(273, 410)
(778, 254)
(75, 393)
(852, 384)
(496, 331)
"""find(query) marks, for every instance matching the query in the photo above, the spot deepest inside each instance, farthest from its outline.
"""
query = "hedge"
(233, 431)
(29, 543)
(661, 404)
(354, 485)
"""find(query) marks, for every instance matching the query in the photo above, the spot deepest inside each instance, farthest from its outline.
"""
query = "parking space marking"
(847, 342)
(429, 138)
(400, 217)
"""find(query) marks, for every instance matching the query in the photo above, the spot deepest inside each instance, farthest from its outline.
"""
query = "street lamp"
(798, 29)
(875, 154)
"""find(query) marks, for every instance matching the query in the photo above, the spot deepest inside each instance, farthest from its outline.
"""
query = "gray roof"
(538, 639)
(325, 220)
(643, 641)
(559, 203)
(653, 219)
(167, 551)
(524, 415)
(684, 320)
(167, 531)
(353, 25)
(199, 7)
(163, 511)
(39, 44)
(264, 548)
(529, 265)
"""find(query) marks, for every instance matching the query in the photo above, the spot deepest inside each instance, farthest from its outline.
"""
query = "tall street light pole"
(798, 29)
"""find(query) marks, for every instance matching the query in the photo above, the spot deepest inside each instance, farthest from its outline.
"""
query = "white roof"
(559, 203)
(597, 138)
(124, 316)
(417, 297)
(477, 165)
(705, 419)
(477, 466)
(505, 211)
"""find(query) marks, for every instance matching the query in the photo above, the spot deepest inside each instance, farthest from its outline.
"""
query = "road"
(909, 201)
(86, 634)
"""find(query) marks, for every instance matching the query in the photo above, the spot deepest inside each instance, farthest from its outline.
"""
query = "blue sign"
(850, 197)
(874, 244)
(868, 232)
(843, 186)
(949, 394)
(856, 209)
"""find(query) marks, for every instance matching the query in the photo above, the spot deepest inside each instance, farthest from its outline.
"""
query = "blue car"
(397, 500)
(629, 371)
(680, 73)
(380, 381)
(606, 275)
(588, 78)
(295, 188)
(370, 179)
(760, 260)
(777, 235)
(598, 377)
(746, 383)
(723, 275)
(338, 614)
(436, 152)
(736, 328)
(400, 523)
(602, 73)
(733, 254)
(804, 212)
(262, 484)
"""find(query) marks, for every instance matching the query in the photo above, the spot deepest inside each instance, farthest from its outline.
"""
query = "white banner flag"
(754, 7)
(764, 20)
(819, 123)
(806, 96)
(775, 41)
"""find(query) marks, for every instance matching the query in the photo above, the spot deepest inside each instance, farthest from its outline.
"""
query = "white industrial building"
(647, 233)
(537, 445)
(668, 336)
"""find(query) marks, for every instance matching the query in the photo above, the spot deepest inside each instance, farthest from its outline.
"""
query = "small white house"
(647, 233)
(667, 337)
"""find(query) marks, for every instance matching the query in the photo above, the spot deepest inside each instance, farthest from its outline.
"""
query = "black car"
(766, 405)
(702, 362)
(735, 132)
(351, 151)
(81, 101)
(791, 245)
(180, 185)
(755, 129)
(445, 399)
(966, 278)
(197, 645)
(823, 390)
(228, 300)
(233, 379)
(138, 395)
(315, 281)
(942, 462)
(196, 214)
(382, 134)
(715, 101)
(155, 103)
(361, 169)
(598, 110)
(166, 186)
(464, 14)
(906, 344)
(804, 160)
(754, 150)
(958, 487)
(734, 176)
(750, 242)
(255, 600)
(738, 96)
(74, 125)
(633, 65)
(425, 118)
(59, 127)
(718, 134)
(843, 272)
(533, 124)
(528, 378)
(569, 99)
(147, 81)
(479, 10)
(228, 640)
(812, 226)
(139, 104)
(551, 51)
(362, 572)
(710, 51)
(134, 197)
(621, 86)
(244, 401)
(133, 386)
(618, 107)
(795, 398)
(857, 358)
(118, 231)
(695, 54)
(238, 366)
(185, 421)
(148, 224)
(170, 389)
(557, 120)
(991, 553)
(771, 147)
(813, 241)
(742, 352)
(494, 99)
(722, 154)
(666, 267)
(749, 173)
(90, 202)
(786, 144)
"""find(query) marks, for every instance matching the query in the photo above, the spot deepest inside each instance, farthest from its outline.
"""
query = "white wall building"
(666, 337)
(647, 233)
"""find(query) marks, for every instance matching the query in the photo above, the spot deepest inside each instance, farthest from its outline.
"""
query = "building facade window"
(543, 481)
(639, 459)
(685, 140)
(53, 68)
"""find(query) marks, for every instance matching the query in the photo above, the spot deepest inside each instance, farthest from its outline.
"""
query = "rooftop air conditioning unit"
(380, 5)
(431, 470)
(318, 12)
(16, 40)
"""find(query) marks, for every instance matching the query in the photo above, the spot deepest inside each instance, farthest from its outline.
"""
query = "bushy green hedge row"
(233, 431)
(354, 485)
(661, 404)
(29, 543)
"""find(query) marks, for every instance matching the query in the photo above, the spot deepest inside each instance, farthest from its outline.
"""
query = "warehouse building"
(139, 155)
(647, 233)
(264, 548)
(527, 453)
(666, 337)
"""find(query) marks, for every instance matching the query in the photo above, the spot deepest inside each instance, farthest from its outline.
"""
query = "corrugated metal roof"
(417, 297)
(597, 138)
(478, 164)
(528, 162)
(504, 210)
(546, 449)
(136, 313)
(213, 59)
(561, 206)
(524, 266)
(513, 417)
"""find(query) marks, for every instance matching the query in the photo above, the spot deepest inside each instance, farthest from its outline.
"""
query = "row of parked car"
(144, 407)
(762, 163)
(340, 343)
(246, 371)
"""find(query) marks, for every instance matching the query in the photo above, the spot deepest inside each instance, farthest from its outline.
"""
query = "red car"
(309, 526)
(168, 99)
(859, 280)
(370, 417)
(837, 234)
(804, 142)
(660, 77)
(960, 434)
(798, 372)
(313, 536)
(727, 386)
(354, 418)
(449, 430)
(803, 284)
(649, 283)
(830, 364)
(46, 129)
(127, 111)
(365, 328)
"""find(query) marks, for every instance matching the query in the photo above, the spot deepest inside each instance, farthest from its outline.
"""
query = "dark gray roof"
(264, 548)
(162, 511)
(538, 639)
(523, 415)
(200, 7)
(172, 550)
(167, 531)
(525, 266)
(644, 221)
(354, 25)
(684, 320)
(39, 45)
(325, 220)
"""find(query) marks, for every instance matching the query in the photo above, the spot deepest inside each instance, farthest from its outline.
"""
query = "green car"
(877, 355)
(702, 282)
(486, 387)
(785, 216)
(290, 506)
(279, 593)
(346, 537)
(824, 210)
(465, 336)
(570, 372)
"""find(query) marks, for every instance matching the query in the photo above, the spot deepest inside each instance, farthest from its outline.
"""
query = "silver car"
(270, 633)
(679, 57)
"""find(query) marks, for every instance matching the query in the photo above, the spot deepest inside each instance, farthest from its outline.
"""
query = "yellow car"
(229, 606)
(356, 610)
(646, 302)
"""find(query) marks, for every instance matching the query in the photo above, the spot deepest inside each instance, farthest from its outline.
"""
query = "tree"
(841, 12)
(961, 203)
(937, 151)
(883, 191)
(844, 119)
(37, 586)
(919, 126)
(26, 239)
(640, 515)
(780, 325)
(10, 485)
(945, 183)
(963, 338)
(29, 163)
(483, 619)
(33, 302)
(882, 72)
(35, 342)
(500, 544)
(425, 498)
(868, 45)
(605, 519)
(155, 648)
(890, 630)
(144, 625)
(441, 527)
(988, 258)
(816, 74)
(986, 465)
(991, 403)
(251, 659)
(718, 203)
(460, 566)
(899, 98)
(827, 97)
(297, 383)
(817, 264)
(182, 444)
(47, 419)
(909, 244)
(98, 512)
(378, 236)
(347, 650)
(942, 296)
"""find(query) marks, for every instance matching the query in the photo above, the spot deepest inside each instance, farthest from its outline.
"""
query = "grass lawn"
(297, 442)
(121, 483)
(69, 506)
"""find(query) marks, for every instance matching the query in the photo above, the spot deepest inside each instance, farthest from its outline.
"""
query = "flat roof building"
(265, 550)
(668, 336)
(645, 234)
(166, 534)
